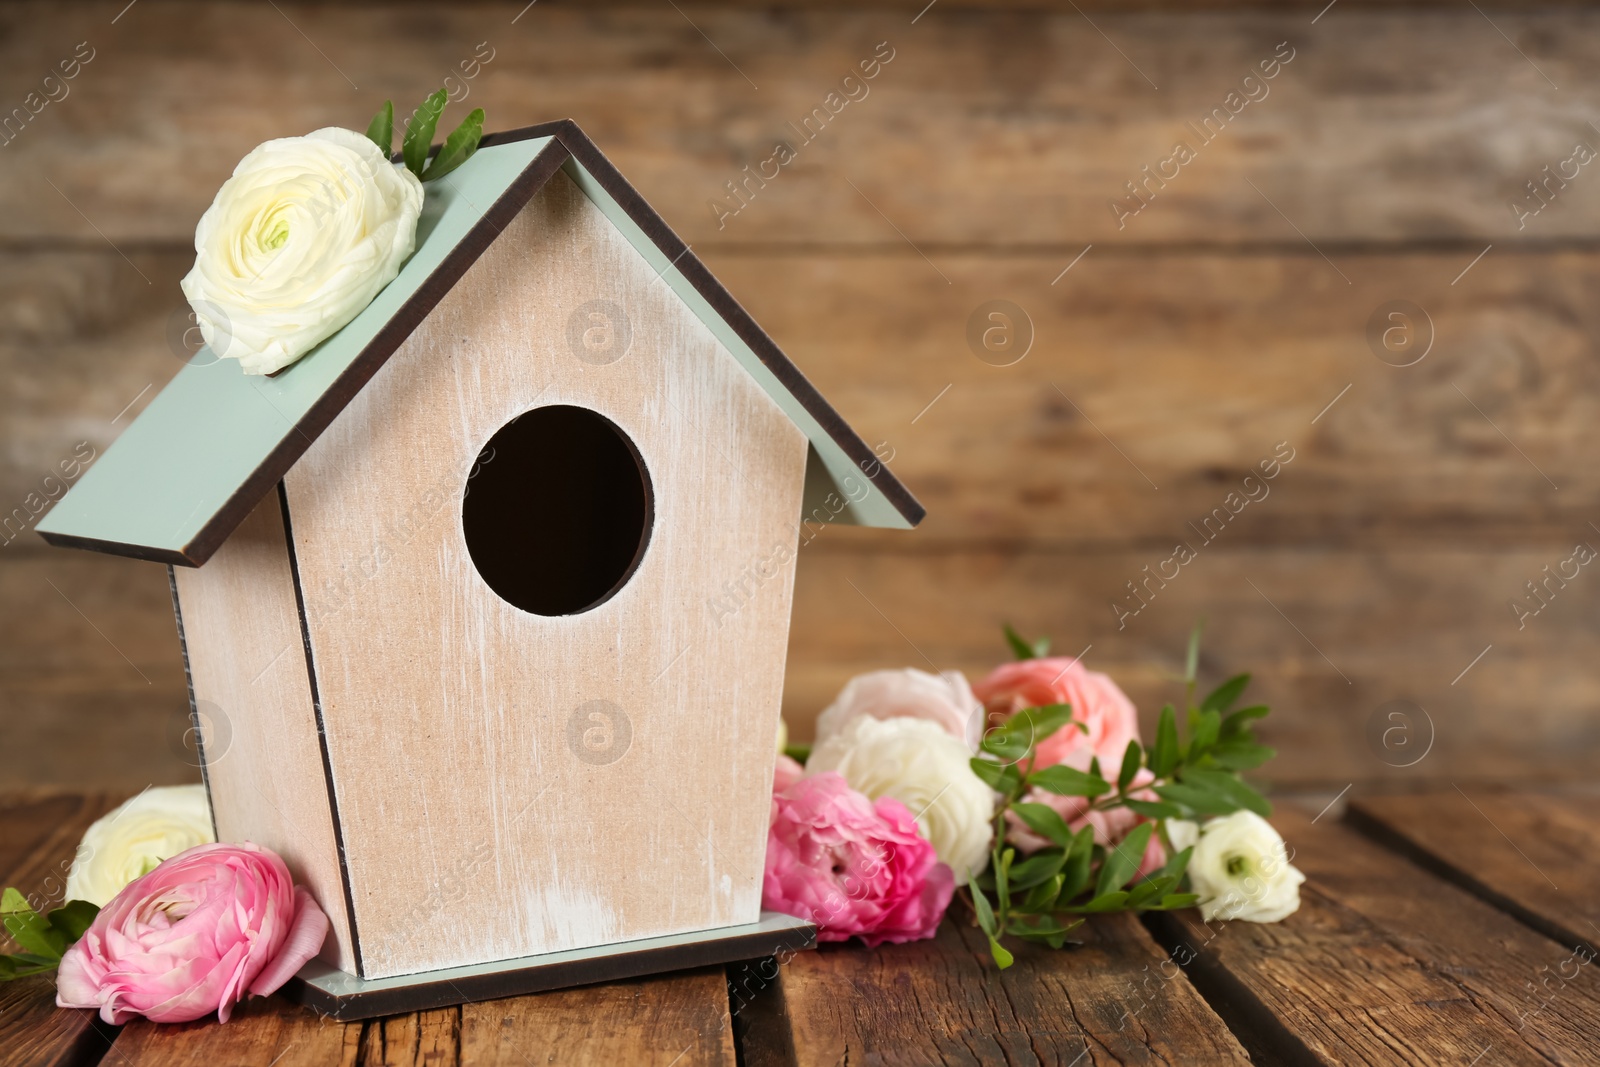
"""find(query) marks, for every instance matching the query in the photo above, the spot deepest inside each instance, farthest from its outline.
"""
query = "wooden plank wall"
(1230, 313)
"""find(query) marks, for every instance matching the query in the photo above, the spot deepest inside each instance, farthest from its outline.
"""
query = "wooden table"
(1452, 927)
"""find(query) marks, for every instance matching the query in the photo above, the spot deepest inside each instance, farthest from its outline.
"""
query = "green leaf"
(1104, 902)
(1052, 933)
(1044, 821)
(1238, 723)
(1176, 864)
(1165, 756)
(798, 753)
(1225, 695)
(12, 902)
(1002, 876)
(458, 147)
(1042, 897)
(1191, 661)
(31, 932)
(73, 918)
(381, 130)
(1132, 757)
(1241, 755)
(1206, 725)
(1157, 885)
(1012, 739)
(1038, 723)
(419, 133)
(1043, 928)
(1069, 782)
(1123, 860)
(1229, 786)
(1075, 874)
(23, 964)
(1178, 900)
(1038, 868)
(1005, 745)
(1152, 809)
(1197, 799)
(1019, 648)
(980, 904)
(1002, 958)
(1001, 777)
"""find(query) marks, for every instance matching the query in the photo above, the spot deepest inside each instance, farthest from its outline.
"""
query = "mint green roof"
(216, 440)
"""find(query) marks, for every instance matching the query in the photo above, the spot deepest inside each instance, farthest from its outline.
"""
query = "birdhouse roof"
(212, 443)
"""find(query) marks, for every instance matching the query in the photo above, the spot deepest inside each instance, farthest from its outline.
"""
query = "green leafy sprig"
(418, 137)
(1042, 897)
(43, 939)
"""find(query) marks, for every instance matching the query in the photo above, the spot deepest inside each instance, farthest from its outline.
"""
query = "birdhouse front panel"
(542, 700)
(253, 709)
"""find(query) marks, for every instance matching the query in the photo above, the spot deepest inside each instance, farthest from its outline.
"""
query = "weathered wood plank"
(1156, 384)
(93, 688)
(670, 1021)
(1395, 625)
(1190, 368)
(1534, 854)
(1401, 624)
(1018, 126)
(39, 833)
(262, 1032)
(1114, 999)
(1384, 963)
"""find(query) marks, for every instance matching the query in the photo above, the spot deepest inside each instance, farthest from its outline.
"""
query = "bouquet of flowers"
(1031, 795)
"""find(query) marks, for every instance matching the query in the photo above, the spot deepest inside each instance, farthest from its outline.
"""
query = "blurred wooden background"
(1178, 351)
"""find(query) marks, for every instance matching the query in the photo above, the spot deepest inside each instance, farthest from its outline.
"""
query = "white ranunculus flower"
(943, 698)
(301, 238)
(1241, 870)
(1182, 833)
(155, 825)
(919, 764)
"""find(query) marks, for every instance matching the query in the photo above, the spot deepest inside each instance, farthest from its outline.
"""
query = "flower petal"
(305, 939)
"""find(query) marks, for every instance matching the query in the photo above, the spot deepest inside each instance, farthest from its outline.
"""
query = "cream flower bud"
(925, 768)
(129, 842)
(1241, 870)
(301, 238)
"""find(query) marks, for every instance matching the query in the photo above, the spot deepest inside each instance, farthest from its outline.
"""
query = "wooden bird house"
(485, 601)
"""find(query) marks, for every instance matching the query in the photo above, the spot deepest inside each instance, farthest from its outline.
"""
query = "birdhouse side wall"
(508, 783)
(258, 729)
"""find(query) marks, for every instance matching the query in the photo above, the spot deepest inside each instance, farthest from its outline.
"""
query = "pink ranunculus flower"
(945, 699)
(785, 773)
(1107, 715)
(192, 937)
(851, 866)
(1110, 827)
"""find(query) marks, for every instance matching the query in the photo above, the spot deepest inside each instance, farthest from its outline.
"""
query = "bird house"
(485, 601)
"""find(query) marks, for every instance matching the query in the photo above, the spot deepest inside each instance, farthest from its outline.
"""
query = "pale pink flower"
(851, 866)
(192, 937)
(944, 699)
(785, 773)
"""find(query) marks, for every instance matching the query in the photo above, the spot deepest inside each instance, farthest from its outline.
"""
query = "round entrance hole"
(557, 511)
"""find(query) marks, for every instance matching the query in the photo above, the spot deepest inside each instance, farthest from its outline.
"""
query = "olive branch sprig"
(418, 137)
(1042, 897)
(43, 939)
